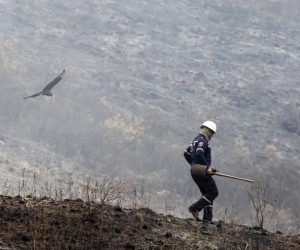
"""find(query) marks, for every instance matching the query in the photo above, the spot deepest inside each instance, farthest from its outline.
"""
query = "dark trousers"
(209, 191)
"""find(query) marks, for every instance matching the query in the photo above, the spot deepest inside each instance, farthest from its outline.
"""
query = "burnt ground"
(73, 224)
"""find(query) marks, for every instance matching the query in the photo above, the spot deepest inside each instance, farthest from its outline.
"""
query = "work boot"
(208, 213)
(194, 212)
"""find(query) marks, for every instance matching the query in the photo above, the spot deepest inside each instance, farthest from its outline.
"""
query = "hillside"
(73, 224)
(140, 78)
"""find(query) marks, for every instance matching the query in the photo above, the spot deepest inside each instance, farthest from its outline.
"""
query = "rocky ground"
(31, 223)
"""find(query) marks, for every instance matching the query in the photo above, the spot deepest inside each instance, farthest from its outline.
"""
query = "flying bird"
(47, 90)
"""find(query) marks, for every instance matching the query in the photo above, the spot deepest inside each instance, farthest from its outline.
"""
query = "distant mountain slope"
(142, 77)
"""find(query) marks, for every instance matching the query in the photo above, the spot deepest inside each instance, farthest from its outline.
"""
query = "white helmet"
(211, 125)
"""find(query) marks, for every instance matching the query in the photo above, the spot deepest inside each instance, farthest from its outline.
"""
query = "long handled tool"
(232, 177)
(200, 170)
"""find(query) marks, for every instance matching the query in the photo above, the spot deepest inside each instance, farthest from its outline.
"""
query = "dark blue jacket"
(198, 152)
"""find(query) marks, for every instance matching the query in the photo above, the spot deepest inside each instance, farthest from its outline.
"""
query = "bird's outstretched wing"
(54, 82)
(35, 95)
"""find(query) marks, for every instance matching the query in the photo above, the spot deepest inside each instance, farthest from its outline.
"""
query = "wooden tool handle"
(232, 177)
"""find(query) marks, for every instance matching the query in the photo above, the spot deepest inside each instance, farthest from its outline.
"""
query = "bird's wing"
(35, 95)
(54, 82)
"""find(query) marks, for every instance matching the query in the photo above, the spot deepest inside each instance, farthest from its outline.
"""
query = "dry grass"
(91, 214)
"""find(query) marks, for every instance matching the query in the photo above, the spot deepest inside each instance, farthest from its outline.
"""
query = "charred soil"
(30, 223)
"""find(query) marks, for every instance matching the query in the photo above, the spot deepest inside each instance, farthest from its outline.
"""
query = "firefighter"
(198, 155)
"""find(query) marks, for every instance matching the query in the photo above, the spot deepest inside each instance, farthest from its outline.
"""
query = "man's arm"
(187, 155)
(200, 159)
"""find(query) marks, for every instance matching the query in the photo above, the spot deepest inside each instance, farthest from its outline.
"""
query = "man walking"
(198, 155)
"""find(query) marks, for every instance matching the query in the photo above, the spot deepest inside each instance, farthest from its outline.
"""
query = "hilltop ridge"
(31, 223)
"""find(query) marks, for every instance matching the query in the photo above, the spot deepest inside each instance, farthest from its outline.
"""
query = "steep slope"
(72, 224)
(141, 77)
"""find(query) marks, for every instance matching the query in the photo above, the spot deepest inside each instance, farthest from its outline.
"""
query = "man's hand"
(211, 171)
